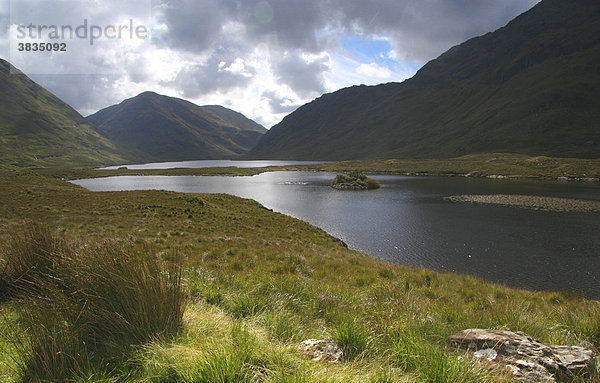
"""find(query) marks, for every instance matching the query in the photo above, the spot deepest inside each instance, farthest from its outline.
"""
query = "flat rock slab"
(322, 350)
(528, 359)
(530, 202)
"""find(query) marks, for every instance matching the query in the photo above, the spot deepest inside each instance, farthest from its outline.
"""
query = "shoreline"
(77, 174)
(491, 165)
(531, 202)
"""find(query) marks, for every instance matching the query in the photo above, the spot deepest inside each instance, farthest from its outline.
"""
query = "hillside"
(172, 129)
(38, 129)
(530, 87)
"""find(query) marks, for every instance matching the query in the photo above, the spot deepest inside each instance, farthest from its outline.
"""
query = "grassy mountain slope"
(530, 87)
(38, 129)
(172, 129)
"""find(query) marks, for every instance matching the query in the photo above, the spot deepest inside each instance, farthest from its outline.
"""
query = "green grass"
(73, 174)
(480, 165)
(352, 339)
(83, 306)
(258, 283)
(475, 165)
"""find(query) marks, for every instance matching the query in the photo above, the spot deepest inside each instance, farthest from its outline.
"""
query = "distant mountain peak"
(174, 129)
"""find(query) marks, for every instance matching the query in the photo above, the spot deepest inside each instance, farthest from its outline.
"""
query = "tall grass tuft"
(283, 326)
(586, 323)
(30, 258)
(352, 339)
(86, 306)
(49, 349)
(125, 296)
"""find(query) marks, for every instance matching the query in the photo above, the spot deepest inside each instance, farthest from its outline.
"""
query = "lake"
(408, 222)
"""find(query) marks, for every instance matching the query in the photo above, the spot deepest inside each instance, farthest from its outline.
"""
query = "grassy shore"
(75, 174)
(258, 283)
(476, 165)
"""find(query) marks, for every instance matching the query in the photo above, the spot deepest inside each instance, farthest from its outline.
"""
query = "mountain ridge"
(37, 129)
(529, 87)
(174, 129)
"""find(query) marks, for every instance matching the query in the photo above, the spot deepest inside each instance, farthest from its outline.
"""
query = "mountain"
(172, 129)
(530, 87)
(39, 130)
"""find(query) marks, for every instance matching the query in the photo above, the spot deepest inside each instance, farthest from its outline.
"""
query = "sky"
(263, 58)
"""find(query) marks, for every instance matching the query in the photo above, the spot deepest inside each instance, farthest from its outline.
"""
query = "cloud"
(261, 57)
(303, 74)
(213, 76)
(291, 23)
(423, 29)
(192, 25)
(4, 23)
(279, 104)
(374, 70)
(98, 90)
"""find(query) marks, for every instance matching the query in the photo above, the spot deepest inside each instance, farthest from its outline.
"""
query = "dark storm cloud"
(423, 29)
(293, 22)
(207, 78)
(193, 24)
(196, 24)
(419, 30)
(302, 76)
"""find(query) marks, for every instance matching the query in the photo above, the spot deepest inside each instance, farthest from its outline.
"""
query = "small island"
(354, 181)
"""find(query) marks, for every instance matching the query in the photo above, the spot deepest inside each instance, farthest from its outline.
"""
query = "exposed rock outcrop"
(529, 359)
(322, 349)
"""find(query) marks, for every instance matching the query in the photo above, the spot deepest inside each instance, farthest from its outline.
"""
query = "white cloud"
(374, 70)
(236, 67)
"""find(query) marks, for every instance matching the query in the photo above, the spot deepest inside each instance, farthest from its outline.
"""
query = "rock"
(322, 349)
(349, 187)
(488, 353)
(529, 359)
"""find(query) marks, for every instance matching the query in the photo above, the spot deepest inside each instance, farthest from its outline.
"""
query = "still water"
(408, 222)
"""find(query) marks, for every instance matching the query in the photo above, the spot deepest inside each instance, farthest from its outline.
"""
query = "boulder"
(529, 359)
(322, 350)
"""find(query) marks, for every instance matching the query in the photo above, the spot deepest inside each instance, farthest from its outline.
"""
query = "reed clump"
(81, 306)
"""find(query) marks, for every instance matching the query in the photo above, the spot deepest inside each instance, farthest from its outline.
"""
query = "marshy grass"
(352, 339)
(478, 165)
(84, 306)
(258, 284)
(30, 260)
